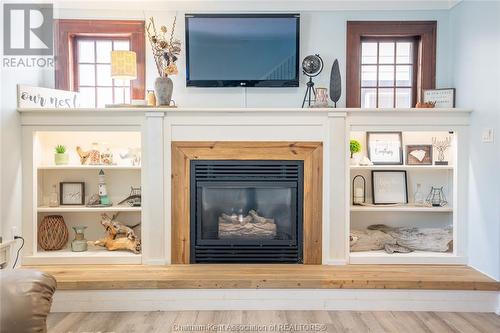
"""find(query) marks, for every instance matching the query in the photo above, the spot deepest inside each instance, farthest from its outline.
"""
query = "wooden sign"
(46, 98)
(442, 98)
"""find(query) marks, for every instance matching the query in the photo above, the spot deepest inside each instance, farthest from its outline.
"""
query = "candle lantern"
(358, 190)
(436, 197)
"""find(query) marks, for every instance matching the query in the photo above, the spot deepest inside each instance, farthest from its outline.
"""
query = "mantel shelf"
(88, 167)
(85, 209)
(402, 208)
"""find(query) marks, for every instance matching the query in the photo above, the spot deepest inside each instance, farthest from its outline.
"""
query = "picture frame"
(441, 98)
(419, 154)
(72, 193)
(385, 148)
(389, 187)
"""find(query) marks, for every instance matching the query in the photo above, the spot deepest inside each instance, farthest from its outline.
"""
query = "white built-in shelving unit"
(410, 214)
(120, 176)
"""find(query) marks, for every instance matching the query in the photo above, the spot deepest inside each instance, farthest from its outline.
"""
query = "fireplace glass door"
(247, 214)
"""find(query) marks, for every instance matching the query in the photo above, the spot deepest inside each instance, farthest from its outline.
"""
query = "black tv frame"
(243, 83)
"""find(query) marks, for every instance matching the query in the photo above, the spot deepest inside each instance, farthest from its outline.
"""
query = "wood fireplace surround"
(311, 153)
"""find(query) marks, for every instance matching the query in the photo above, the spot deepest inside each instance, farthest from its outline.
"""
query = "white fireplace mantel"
(160, 127)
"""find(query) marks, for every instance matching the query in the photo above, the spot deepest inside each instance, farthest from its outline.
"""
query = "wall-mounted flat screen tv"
(250, 50)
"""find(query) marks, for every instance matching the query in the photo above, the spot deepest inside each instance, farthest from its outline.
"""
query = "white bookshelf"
(403, 208)
(85, 209)
(402, 167)
(120, 177)
(408, 215)
(88, 167)
(416, 257)
(94, 255)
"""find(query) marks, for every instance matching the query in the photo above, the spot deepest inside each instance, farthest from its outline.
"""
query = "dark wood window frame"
(424, 31)
(66, 33)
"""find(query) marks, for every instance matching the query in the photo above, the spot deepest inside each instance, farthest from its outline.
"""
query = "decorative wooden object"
(52, 233)
(420, 239)
(250, 226)
(119, 236)
(401, 239)
(309, 152)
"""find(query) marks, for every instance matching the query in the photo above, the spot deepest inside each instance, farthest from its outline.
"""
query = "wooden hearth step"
(271, 276)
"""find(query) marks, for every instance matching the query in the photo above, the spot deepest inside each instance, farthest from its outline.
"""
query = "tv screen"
(252, 50)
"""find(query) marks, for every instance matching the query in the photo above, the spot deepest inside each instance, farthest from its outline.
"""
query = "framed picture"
(389, 187)
(419, 154)
(72, 193)
(442, 98)
(385, 148)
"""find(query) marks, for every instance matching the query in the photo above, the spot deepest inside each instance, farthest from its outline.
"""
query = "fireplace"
(246, 211)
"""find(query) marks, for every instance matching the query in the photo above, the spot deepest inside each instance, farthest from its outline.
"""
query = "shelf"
(416, 257)
(94, 255)
(401, 167)
(84, 209)
(88, 167)
(403, 208)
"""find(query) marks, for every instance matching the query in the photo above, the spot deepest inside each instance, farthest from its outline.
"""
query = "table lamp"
(123, 67)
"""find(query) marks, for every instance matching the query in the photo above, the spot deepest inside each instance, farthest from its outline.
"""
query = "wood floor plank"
(434, 322)
(432, 277)
(336, 321)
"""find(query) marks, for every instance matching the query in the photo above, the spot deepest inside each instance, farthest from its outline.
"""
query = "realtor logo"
(28, 29)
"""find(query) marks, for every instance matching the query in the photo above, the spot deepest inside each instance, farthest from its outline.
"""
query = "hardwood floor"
(253, 321)
(433, 277)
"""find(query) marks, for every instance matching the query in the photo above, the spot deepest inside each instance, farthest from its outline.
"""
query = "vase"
(79, 244)
(61, 159)
(321, 98)
(163, 90)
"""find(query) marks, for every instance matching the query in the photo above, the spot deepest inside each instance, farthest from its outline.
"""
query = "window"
(83, 52)
(388, 72)
(389, 63)
(93, 72)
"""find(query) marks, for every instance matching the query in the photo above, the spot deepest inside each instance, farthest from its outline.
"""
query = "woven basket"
(52, 233)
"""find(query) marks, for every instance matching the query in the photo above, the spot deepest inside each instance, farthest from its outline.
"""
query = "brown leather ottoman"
(25, 300)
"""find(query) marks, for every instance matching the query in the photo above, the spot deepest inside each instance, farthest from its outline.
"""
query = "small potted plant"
(355, 148)
(61, 157)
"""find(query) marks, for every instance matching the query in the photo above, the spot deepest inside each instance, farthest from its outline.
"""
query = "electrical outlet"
(13, 232)
(487, 135)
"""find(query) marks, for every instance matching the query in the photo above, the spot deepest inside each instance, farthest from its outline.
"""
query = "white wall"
(476, 71)
(321, 32)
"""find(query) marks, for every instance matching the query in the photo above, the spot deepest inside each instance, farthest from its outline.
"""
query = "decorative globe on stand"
(312, 65)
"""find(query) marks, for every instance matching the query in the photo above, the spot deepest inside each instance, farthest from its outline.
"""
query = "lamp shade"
(123, 65)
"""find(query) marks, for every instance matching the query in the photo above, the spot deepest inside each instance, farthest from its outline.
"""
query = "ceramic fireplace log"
(251, 226)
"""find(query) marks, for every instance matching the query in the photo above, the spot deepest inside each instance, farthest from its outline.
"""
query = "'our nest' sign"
(46, 98)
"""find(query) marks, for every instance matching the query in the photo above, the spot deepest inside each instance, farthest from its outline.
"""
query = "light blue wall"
(321, 32)
(475, 27)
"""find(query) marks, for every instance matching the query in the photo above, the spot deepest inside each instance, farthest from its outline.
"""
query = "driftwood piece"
(401, 239)
(369, 240)
(419, 239)
(251, 226)
(119, 236)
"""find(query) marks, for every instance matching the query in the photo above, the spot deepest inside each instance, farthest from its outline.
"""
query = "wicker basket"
(52, 233)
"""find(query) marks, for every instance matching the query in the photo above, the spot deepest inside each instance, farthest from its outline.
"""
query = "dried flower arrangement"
(166, 48)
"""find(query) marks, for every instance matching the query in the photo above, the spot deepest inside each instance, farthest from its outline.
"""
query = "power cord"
(19, 250)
